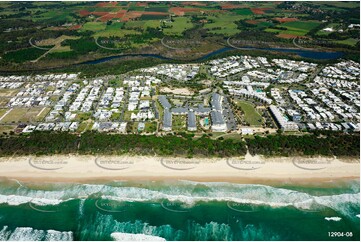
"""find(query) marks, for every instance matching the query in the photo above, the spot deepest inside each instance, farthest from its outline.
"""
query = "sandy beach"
(239, 170)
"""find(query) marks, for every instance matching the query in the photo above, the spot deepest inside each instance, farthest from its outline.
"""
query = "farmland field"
(69, 29)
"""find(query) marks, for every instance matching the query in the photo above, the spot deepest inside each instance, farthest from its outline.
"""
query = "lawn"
(335, 26)
(127, 115)
(160, 109)
(251, 115)
(179, 122)
(150, 127)
(179, 25)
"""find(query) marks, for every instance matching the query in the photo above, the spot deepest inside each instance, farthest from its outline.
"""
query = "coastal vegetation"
(48, 143)
(180, 144)
(330, 144)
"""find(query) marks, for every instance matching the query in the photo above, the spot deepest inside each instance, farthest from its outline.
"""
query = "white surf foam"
(189, 193)
(333, 219)
(135, 237)
(30, 234)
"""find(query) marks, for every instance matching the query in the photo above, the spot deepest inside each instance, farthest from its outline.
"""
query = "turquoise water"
(182, 210)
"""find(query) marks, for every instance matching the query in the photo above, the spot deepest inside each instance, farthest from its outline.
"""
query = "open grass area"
(160, 109)
(150, 127)
(6, 129)
(94, 26)
(350, 41)
(4, 100)
(24, 115)
(251, 115)
(179, 25)
(115, 33)
(2, 111)
(243, 11)
(223, 24)
(80, 116)
(8, 92)
(299, 28)
(179, 122)
(143, 24)
(334, 26)
(127, 115)
(54, 16)
(42, 114)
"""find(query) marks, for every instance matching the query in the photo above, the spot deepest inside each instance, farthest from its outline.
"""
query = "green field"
(24, 55)
(251, 115)
(223, 24)
(243, 11)
(350, 41)
(179, 122)
(115, 33)
(157, 9)
(150, 127)
(25, 115)
(179, 25)
(299, 28)
(94, 26)
(143, 24)
(134, 32)
(55, 16)
(153, 17)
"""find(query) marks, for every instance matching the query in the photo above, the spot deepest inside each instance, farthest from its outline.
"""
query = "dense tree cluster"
(336, 144)
(102, 143)
(184, 145)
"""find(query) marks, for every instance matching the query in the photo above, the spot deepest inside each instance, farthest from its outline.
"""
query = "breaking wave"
(185, 192)
(135, 237)
(30, 234)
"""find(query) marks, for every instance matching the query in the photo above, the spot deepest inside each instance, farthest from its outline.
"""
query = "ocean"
(179, 210)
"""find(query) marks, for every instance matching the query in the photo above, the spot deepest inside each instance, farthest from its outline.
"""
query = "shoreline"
(248, 169)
